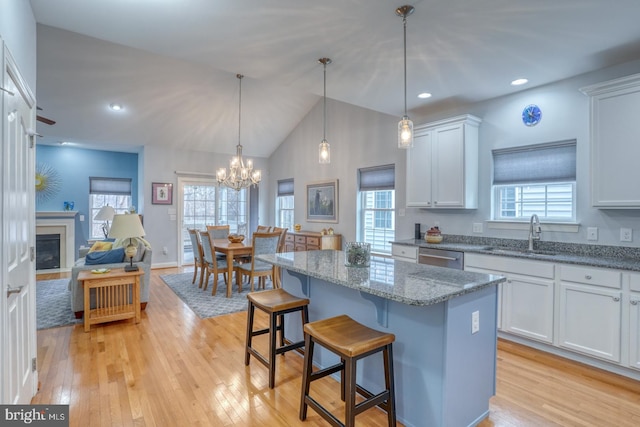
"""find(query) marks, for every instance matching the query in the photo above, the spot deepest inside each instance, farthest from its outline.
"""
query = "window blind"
(285, 187)
(551, 162)
(121, 186)
(377, 178)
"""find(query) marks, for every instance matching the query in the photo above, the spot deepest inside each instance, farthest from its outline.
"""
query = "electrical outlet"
(165, 250)
(626, 235)
(592, 233)
(475, 322)
(477, 227)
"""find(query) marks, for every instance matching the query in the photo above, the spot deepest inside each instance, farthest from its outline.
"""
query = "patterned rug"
(202, 302)
(53, 304)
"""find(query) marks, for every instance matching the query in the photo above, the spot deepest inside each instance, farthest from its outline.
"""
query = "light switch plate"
(626, 235)
(477, 227)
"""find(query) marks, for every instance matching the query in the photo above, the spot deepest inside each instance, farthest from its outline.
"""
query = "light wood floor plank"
(174, 369)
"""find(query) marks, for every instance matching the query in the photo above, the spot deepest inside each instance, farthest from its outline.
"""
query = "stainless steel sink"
(508, 251)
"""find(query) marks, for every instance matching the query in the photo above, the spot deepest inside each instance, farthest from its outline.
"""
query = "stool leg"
(350, 392)
(250, 312)
(307, 369)
(281, 335)
(272, 348)
(389, 382)
(343, 384)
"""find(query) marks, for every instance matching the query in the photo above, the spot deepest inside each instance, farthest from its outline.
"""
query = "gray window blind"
(551, 162)
(377, 178)
(120, 186)
(285, 187)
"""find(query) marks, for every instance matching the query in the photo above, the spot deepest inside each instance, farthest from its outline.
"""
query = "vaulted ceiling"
(172, 64)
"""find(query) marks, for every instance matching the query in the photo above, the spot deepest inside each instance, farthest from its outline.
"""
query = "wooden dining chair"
(198, 259)
(263, 229)
(276, 273)
(262, 244)
(213, 265)
(218, 232)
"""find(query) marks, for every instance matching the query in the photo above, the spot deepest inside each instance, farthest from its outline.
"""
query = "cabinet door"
(634, 331)
(448, 174)
(590, 320)
(528, 307)
(419, 172)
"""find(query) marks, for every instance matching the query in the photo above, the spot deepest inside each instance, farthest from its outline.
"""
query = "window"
(115, 192)
(376, 222)
(284, 204)
(536, 179)
(207, 204)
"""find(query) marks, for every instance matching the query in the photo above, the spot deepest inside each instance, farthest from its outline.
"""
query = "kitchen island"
(444, 373)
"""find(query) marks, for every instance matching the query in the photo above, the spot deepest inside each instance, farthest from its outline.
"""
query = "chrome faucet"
(534, 230)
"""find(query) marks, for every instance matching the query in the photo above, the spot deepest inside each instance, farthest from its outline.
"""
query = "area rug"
(53, 304)
(202, 302)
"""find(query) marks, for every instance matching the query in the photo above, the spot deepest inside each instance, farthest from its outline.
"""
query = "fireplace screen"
(47, 251)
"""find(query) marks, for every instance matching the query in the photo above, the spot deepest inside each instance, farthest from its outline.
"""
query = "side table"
(117, 296)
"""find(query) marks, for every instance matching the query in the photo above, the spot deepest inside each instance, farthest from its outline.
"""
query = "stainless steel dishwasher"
(441, 258)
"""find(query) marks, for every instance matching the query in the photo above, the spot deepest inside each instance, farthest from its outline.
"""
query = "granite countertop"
(618, 257)
(405, 282)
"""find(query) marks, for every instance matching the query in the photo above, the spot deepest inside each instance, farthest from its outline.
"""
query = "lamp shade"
(106, 213)
(126, 226)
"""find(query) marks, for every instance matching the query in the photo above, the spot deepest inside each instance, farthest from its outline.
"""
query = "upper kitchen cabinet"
(615, 137)
(442, 168)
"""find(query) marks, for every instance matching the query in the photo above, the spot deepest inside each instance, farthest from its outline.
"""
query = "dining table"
(232, 251)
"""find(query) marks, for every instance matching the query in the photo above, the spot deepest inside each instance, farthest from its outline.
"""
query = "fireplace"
(62, 225)
(47, 251)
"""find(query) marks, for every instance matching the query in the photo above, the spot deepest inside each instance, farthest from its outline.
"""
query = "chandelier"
(405, 126)
(324, 149)
(241, 175)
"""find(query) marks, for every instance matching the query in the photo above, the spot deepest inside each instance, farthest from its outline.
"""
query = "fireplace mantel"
(64, 224)
(56, 214)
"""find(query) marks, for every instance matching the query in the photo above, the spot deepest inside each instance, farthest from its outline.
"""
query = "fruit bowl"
(235, 238)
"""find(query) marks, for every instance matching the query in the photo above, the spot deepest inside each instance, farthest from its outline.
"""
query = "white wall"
(18, 29)
(361, 138)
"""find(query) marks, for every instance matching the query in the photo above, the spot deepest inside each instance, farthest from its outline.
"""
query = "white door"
(17, 307)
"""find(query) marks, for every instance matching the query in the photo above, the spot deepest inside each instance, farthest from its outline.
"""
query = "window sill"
(565, 227)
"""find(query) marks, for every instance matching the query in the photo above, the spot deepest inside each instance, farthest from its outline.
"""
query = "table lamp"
(127, 226)
(106, 213)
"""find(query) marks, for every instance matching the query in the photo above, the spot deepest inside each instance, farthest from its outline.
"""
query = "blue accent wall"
(74, 167)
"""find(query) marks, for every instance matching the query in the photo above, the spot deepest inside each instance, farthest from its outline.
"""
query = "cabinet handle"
(616, 299)
(435, 202)
(634, 302)
(588, 277)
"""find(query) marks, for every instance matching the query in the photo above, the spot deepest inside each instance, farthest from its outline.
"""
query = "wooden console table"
(311, 240)
(117, 296)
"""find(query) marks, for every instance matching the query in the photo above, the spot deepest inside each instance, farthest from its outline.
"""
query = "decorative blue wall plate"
(531, 115)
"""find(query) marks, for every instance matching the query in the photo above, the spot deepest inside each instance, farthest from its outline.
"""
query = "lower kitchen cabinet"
(634, 320)
(591, 311)
(404, 252)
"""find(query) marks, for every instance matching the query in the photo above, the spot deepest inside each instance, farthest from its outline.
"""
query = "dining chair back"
(218, 231)
(214, 266)
(262, 243)
(263, 229)
(276, 272)
(198, 259)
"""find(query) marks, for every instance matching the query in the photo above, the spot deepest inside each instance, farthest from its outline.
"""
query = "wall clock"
(531, 115)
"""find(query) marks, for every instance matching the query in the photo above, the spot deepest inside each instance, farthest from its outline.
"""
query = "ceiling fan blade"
(45, 120)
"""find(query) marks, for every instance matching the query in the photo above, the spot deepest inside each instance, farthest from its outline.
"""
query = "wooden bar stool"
(276, 303)
(351, 341)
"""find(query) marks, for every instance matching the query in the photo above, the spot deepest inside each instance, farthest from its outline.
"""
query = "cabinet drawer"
(510, 265)
(591, 276)
(634, 282)
(301, 240)
(403, 251)
(289, 238)
(313, 241)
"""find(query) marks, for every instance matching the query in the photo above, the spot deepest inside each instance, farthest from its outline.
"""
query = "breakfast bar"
(444, 321)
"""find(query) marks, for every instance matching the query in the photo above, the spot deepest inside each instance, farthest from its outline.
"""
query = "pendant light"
(405, 126)
(240, 175)
(324, 149)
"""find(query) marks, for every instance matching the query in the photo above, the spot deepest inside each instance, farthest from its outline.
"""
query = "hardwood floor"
(174, 369)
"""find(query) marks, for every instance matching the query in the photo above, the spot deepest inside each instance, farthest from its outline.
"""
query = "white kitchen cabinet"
(527, 297)
(590, 311)
(442, 168)
(634, 320)
(404, 252)
(614, 134)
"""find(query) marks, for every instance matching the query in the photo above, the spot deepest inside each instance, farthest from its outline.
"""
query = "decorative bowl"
(236, 238)
(434, 238)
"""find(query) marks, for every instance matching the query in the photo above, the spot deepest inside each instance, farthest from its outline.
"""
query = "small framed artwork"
(161, 193)
(322, 201)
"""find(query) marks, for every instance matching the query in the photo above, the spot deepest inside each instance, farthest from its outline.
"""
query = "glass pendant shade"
(405, 133)
(324, 152)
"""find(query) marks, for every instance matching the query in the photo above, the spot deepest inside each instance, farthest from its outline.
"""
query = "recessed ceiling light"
(424, 95)
(65, 143)
(518, 82)
(115, 107)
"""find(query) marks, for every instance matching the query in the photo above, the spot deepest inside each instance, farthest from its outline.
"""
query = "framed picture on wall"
(322, 201)
(161, 193)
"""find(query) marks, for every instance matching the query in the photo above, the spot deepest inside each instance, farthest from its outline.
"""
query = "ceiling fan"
(43, 119)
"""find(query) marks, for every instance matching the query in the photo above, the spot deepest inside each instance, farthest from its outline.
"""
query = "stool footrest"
(379, 399)
(321, 373)
(328, 416)
(288, 347)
